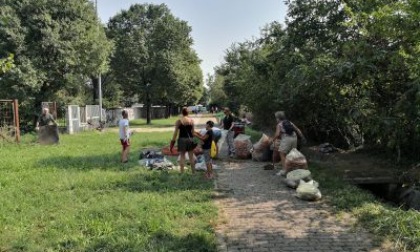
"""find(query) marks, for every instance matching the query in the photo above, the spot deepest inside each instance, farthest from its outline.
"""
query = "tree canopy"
(154, 57)
(346, 71)
(57, 45)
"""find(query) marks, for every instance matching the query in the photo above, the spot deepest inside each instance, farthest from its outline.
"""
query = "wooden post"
(16, 119)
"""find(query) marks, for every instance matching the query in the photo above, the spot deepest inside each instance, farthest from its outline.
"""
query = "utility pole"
(99, 75)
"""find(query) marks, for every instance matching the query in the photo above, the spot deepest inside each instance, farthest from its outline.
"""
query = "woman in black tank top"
(184, 129)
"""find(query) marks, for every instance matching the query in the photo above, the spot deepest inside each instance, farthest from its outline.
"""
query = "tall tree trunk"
(148, 105)
(95, 91)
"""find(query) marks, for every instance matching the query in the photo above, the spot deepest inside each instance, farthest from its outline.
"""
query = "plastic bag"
(243, 146)
(261, 150)
(213, 149)
(308, 191)
(295, 160)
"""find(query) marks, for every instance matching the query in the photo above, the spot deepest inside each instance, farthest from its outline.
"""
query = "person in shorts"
(207, 138)
(124, 136)
(284, 141)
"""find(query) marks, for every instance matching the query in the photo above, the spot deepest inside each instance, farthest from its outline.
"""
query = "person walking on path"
(207, 139)
(286, 133)
(184, 130)
(124, 136)
(227, 124)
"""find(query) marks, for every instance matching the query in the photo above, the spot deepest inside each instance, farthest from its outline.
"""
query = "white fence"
(81, 118)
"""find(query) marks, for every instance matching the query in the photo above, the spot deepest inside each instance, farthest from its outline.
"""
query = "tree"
(57, 45)
(153, 57)
(6, 64)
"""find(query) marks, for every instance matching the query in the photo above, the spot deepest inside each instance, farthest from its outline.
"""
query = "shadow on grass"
(142, 179)
(105, 162)
(163, 181)
(158, 241)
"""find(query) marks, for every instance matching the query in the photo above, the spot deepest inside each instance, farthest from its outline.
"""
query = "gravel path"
(259, 213)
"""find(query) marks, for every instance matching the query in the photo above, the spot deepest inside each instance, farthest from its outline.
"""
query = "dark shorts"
(125, 143)
(182, 143)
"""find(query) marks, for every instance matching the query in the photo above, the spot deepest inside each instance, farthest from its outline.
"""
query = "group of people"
(284, 139)
(184, 133)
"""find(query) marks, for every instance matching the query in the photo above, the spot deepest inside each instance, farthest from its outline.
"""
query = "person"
(184, 129)
(124, 136)
(217, 135)
(45, 119)
(207, 139)
(287, 138)
(227, 124)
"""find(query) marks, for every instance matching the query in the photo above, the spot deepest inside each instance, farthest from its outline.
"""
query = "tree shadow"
(264, 202)
(164, 181)
(91, 162)
(158, 241)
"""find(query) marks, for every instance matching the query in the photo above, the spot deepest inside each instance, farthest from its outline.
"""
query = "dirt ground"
(199, 122)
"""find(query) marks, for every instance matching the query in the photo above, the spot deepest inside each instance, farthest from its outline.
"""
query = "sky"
(216, 24)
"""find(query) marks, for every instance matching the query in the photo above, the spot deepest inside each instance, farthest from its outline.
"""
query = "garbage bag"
(261, 150)
(308, 191)
(243, 146)
(295, 160)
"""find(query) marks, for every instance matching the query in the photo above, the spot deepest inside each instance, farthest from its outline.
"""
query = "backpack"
(288, 127)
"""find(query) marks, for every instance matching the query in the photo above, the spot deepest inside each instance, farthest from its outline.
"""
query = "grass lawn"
(384, 220)
(76, 196)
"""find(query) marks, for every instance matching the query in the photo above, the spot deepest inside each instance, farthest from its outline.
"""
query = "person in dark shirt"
(207, 139)
(227, 124)
(184, 130)
(45, 119)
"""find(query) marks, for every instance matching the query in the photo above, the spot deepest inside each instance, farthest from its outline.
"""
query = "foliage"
(346, 72)
(56, 44)
(154, 47)
(77, 196)
(6, 64)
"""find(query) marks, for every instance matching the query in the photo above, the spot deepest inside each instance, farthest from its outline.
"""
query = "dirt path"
(199, 122)
(259, 213)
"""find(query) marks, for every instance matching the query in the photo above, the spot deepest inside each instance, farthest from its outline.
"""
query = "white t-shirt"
(203, 131)
(123, 123)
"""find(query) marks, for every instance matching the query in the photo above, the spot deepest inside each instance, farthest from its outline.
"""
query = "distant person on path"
(124, 136)
(184, 130)
(286, 133)
(227, 124)
(45, 119)
(207, 139)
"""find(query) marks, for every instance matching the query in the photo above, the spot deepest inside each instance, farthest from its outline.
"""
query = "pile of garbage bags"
(306, 187)
(154, 160)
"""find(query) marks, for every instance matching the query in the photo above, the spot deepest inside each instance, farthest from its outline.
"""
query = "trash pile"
(325, 148)
(154, 160)
(295, 160)
(261, 150)
(243, 146)
(306, 187)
